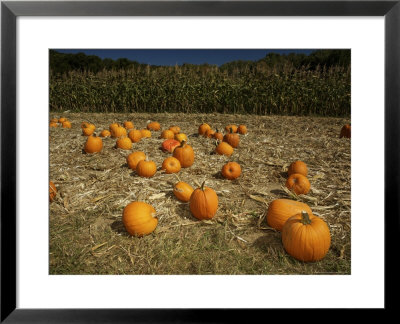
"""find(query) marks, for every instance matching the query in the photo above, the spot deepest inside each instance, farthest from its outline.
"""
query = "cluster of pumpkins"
(62, 122)
(305, 236)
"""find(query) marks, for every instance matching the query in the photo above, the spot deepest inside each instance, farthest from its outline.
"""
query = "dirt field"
(87, 235)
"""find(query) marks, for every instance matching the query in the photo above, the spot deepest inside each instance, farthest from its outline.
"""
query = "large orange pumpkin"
(203, 128)
(118, 131)
(223, 148)
(306, 237)
(183, 191)
(280, 210)
(298, 183)
(88, 131)
(185, 154)
(124, 143)
(93, 144)
(203, 203)
(139, 218)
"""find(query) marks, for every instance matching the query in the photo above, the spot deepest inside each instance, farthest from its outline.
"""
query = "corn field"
(180, 89)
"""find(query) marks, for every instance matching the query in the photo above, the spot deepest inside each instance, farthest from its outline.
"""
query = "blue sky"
(180, 56)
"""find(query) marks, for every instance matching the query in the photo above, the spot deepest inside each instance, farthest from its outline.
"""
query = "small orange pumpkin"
(203, 203)
(113, 125)
(146, 169)
(231, 170)
(169, 145)
(53, 124)
(232, 138)
(209, 133)
(52, 191)
(345, 131)
(175, 129)
(66, 124)
(134, 158)
(280, 210)
(183, 191)
(154, 126)
(105, 133)
(242, 129)
(181, 137)
(298, 167)
(87, 131)
(124, 143)
(218, 135)
(306, 237)
(167, 134)
(203, 128)
(117, 132)
(171, 165)
(128, 125)
(135, 135)
(223, 148)
(298, 183)
(139, 218)
(62, 119)
(185, 154)
(231, 128)
(145, 133)
(93, 144)
(54, 120)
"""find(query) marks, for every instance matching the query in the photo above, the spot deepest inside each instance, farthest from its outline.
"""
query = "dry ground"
(87, 235)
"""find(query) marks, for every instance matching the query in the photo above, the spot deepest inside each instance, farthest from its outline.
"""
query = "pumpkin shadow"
(118, 227)
(271, 240)
(124, 166)
(218, 175)
(278, 192)
(183, 210)
(283, 174)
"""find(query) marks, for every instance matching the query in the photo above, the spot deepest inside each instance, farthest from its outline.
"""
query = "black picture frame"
(10, 10)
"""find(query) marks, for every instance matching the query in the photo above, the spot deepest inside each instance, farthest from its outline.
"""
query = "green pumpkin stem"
(202, 185)
(305, 218)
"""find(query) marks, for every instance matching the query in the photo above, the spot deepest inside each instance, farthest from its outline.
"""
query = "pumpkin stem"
(305, 218)
(183, 143)
(231, 130)
(202, 185)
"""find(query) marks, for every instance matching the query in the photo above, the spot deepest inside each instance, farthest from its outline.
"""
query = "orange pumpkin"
(93, 144)
(171, 165)
(62, 119)
(203, 128)
(183, 191)
(218, 135)
(180, 137)
(167, 134)
(175, 129)
(134, 158)
(345, 131)
(242, 129)
(306, 237)
(128, 125)
(54, 120)
(154, 126)
(185, 154)
(53, 124)
(231, 170)
(117, 132)
(66, 124)
(87, 131)
(52, 191)
(124, 143)
(87, 125)
(298, 167)
(231, 128)
(232, 138)
(135, 135)
(209, 133)
(203, 203)
(280, 210)
(145, 133)
(139, 218)
(298, 183)
(146, 169)
(169, 145)
(105, 133)
(223, 148)
(113, 126)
